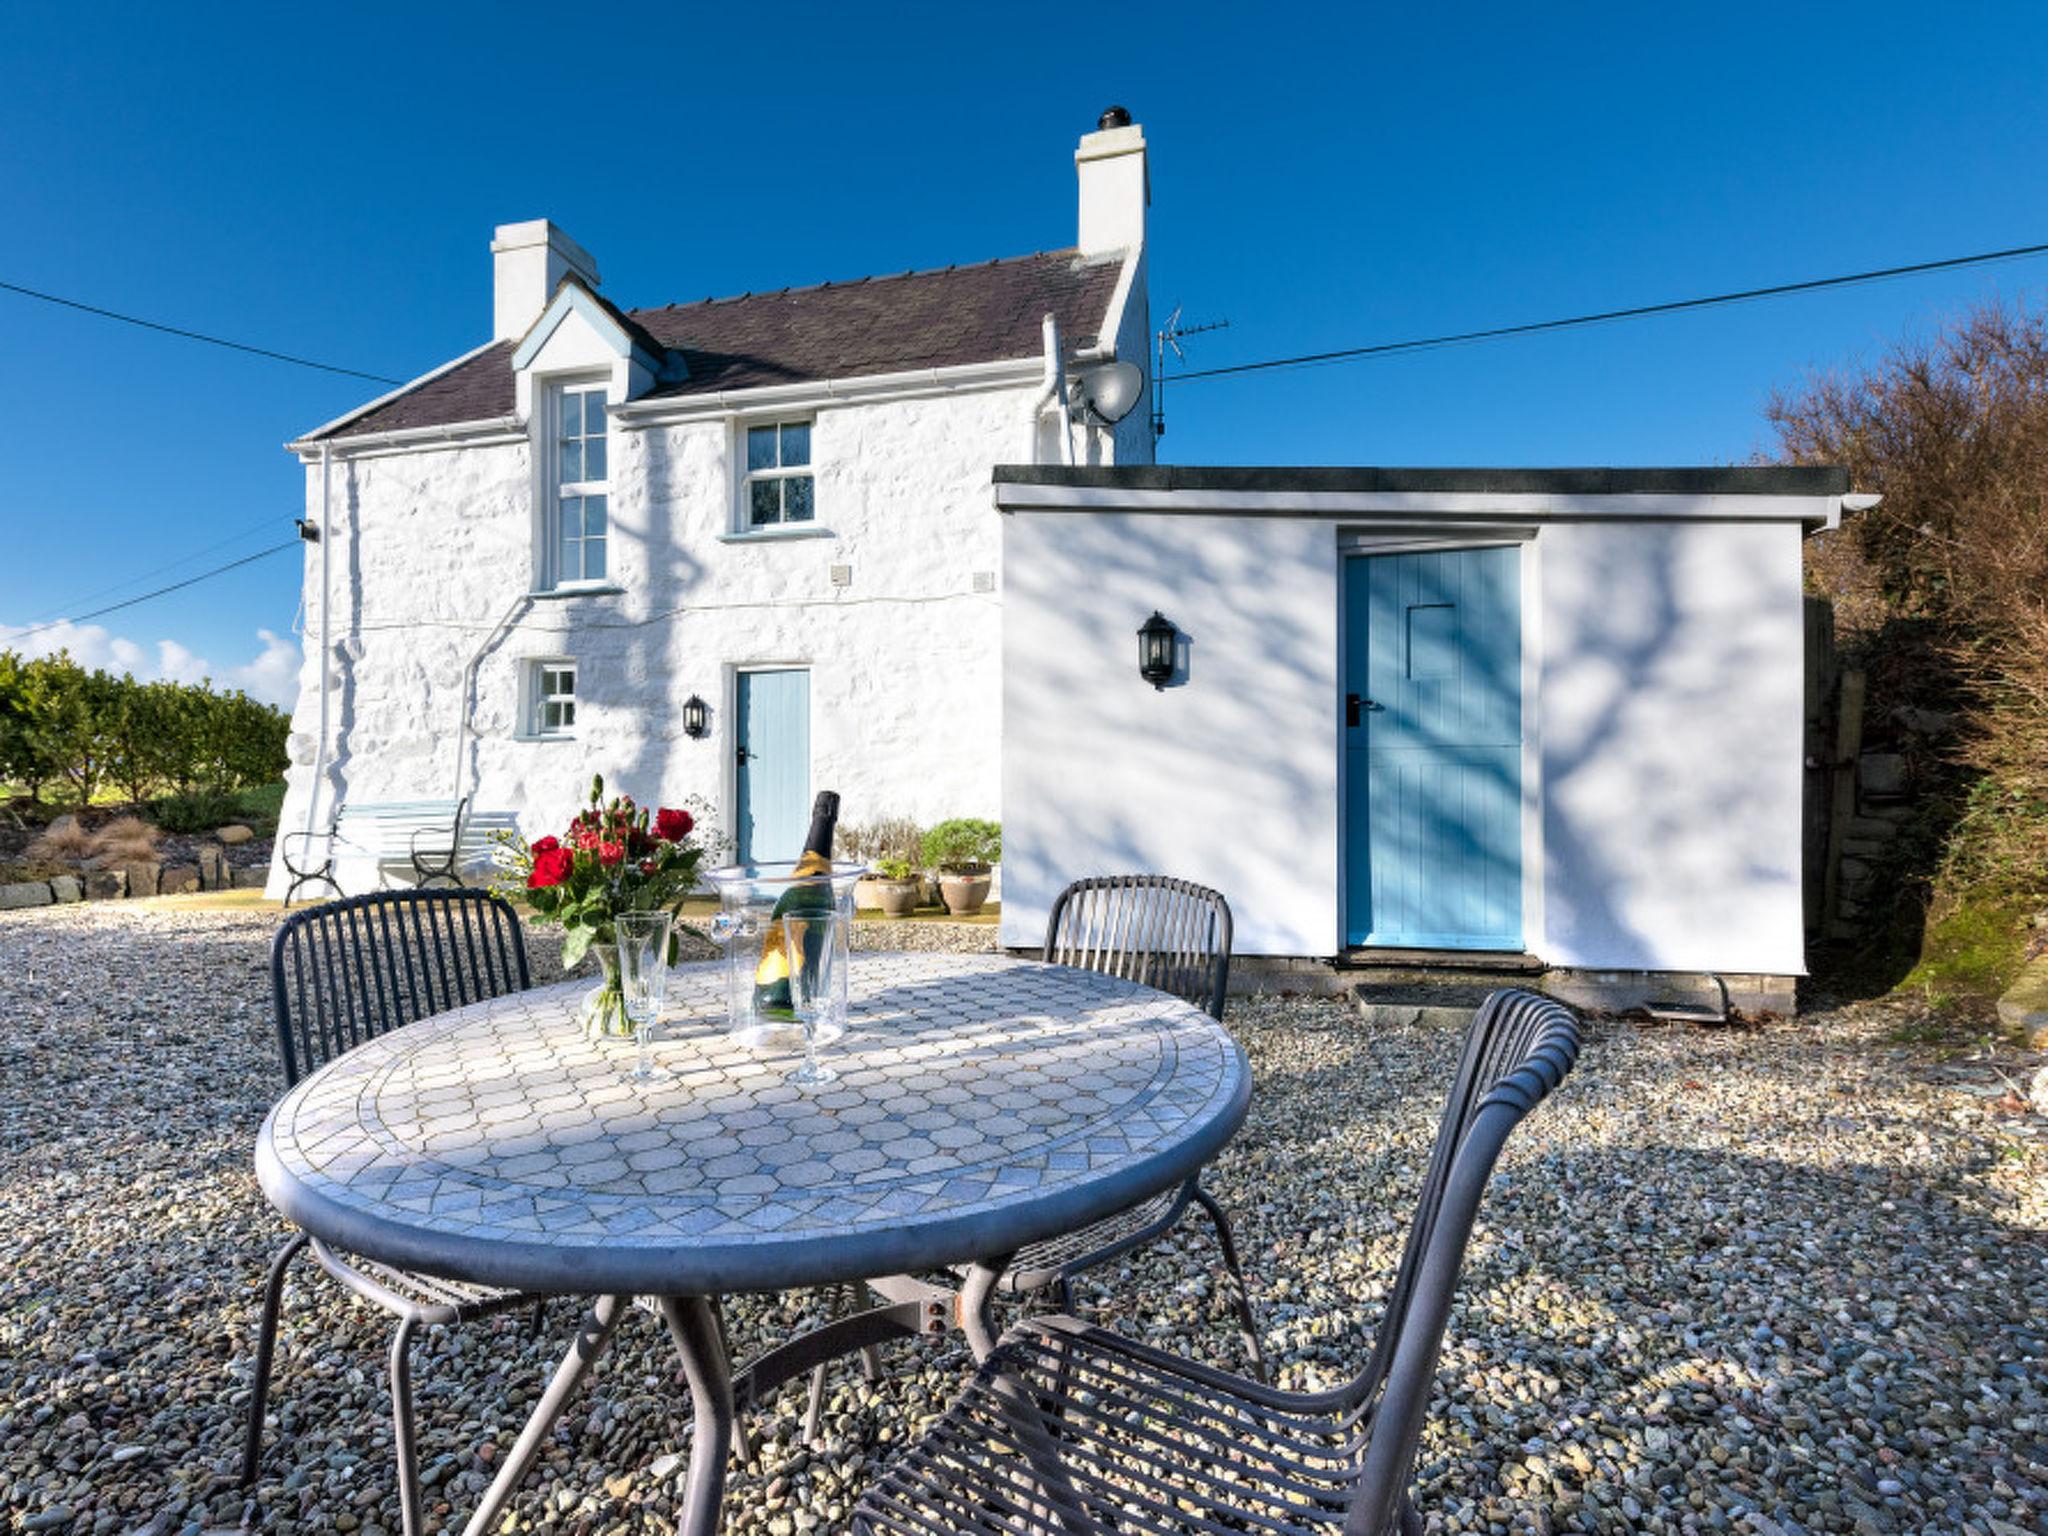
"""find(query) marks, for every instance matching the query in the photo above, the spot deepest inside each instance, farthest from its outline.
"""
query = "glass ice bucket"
(752, 897)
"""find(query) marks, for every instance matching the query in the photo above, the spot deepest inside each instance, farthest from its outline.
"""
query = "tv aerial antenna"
(1171, 335)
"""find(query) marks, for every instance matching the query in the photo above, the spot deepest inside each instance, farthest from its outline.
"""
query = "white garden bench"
(417, 841)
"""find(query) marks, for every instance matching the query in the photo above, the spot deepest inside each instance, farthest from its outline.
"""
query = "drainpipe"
(1054, 389)
(326, 637)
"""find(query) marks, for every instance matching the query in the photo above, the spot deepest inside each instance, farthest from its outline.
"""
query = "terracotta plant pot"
(898, 898)
(964, 894)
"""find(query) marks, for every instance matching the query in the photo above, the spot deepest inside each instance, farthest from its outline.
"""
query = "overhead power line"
(153, 571)
(190, 335)
(159, 592)
(1635, 312)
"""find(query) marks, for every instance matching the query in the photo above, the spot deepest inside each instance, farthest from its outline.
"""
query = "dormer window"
(580, 474)
(778, 490)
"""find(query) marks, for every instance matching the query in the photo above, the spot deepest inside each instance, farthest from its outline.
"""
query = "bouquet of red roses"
(615, 857)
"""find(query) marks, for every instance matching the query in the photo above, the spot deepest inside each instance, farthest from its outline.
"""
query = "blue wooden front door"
(1433, 749)
(774, 800)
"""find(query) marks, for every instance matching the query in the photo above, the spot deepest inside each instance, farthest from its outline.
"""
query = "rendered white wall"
(430, 548)
(1230, 776)
(1665, 823)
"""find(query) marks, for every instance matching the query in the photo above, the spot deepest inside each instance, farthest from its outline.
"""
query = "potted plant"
(872, 843)
(615, 857)
(965, 850)
(896, 887)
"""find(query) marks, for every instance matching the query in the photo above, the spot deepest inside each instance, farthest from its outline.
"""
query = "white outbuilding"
(1528, 715)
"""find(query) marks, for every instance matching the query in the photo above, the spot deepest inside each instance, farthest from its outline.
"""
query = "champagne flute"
(816, 944)
(643, 978)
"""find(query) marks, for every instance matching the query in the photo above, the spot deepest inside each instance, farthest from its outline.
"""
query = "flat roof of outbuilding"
(1733, 480)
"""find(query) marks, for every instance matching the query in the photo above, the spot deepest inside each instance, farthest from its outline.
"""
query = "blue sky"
(325, 182)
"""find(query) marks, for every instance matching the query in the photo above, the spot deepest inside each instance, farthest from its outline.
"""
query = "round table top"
(983, 1103)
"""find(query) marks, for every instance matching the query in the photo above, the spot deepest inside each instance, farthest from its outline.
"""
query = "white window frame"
(533, 710)
(743, 509)
(554, 488)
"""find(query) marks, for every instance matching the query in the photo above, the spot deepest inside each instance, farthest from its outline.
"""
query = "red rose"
(547, 845)
(587, 838)
(647, 866)
(673, 825)
(611, 855)
(551, 867)
(637, 841)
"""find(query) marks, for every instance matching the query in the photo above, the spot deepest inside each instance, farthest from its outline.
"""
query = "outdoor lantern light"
(1155, 649)
(696, 717)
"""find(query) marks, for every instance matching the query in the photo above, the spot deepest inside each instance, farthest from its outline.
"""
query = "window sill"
(581, 589)
(776, 535)
(543, 740)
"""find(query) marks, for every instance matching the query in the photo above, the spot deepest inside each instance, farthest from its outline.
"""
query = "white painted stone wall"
(1663, 829)
(431, 549)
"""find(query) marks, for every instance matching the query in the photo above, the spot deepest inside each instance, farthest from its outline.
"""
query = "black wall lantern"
(1156, 637)
(696, 717)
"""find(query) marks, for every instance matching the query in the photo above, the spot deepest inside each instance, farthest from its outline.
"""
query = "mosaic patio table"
(983, 1103)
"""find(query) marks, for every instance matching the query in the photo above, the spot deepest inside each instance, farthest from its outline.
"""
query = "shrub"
(62, 723)
(887, 837)
(201, 810)
(895, 869)
(965, 844)
(65, 841)
(125, 840)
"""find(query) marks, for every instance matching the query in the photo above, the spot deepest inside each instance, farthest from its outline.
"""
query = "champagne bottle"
(771, 977)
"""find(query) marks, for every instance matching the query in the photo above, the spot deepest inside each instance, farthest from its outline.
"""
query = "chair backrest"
(1519, 1047)
(346, 971)
(1151, 929)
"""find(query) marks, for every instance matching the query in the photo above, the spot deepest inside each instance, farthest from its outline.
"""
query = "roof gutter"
(495, 429)
(903, 384)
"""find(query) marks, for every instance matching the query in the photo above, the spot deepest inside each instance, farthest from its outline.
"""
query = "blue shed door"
(1433, 749)
(774, 801)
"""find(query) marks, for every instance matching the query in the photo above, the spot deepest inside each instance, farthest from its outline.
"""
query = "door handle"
(741, 755)
(1354, 706)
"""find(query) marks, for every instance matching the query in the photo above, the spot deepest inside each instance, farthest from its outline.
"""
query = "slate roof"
(932, 319)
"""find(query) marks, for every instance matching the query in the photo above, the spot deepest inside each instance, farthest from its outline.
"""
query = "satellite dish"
(1108, 392)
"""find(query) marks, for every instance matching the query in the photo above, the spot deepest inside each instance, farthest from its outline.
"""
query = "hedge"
(63, 725)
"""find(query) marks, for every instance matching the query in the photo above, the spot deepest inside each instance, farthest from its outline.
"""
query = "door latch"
(741, 755)
(1354, 706)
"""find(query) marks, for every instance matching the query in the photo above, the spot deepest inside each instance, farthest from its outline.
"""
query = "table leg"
(976, 1291)
(590, 1342)
(693, 1323)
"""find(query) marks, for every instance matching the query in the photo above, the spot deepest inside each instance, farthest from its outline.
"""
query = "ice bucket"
(749, 897)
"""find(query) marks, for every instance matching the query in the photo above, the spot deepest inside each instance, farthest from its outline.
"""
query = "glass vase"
(603, 1010)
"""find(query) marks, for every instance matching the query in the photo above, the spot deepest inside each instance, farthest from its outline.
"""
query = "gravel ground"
(1791, 1280)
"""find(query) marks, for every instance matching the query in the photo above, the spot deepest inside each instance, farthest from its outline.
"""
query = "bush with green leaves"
(964, 845)
(197, 810)
(87, 730)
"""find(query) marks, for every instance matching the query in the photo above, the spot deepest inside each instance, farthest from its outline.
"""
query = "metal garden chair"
(1173, 935)
(1073, 1429)
(342, 973)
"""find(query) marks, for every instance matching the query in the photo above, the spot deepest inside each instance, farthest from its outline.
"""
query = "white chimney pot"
(528, 261)
(1114, 189)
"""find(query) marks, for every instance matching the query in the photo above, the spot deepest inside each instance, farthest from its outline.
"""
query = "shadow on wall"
(641, 690)
(1650, 749)
(1215, 780)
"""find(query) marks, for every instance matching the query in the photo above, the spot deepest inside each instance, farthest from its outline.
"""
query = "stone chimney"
(1114, 189)
(527, 261)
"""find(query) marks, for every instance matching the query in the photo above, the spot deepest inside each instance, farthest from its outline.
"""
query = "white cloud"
(271, 675)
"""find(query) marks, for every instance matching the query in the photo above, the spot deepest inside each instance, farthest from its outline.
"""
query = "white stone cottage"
(530, 560)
